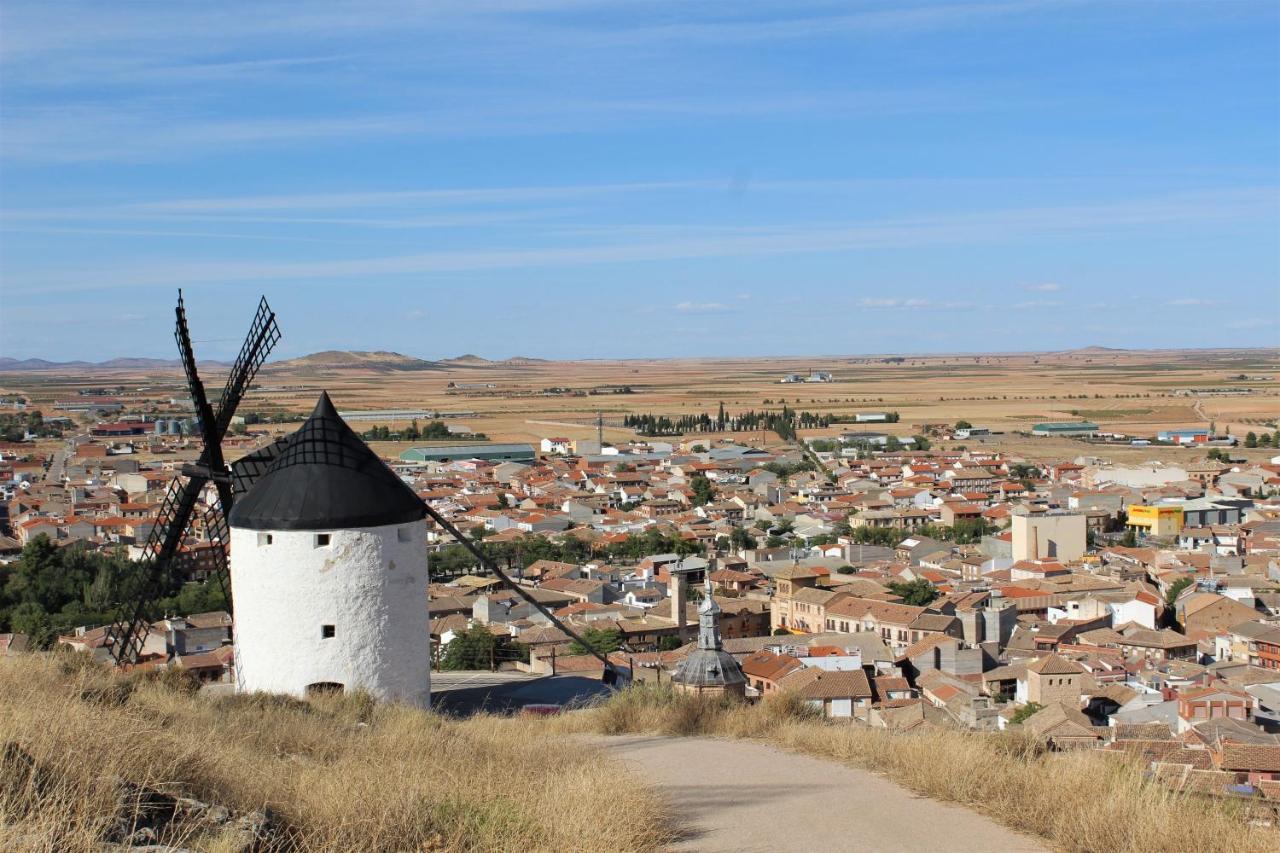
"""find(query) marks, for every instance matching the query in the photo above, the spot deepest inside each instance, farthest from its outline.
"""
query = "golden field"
(1131, 392)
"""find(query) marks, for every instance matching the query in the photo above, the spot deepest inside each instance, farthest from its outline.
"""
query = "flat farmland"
(1133, 392)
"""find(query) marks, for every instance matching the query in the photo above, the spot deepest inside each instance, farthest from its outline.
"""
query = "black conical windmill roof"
(326, 478)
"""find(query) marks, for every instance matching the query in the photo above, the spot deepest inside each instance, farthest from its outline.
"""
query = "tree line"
(14, 426)
(433, 431)
(784, 422)
(51, 590)
(453, 559)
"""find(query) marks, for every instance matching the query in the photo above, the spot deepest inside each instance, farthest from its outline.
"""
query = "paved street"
(462, 693)
(737, 797)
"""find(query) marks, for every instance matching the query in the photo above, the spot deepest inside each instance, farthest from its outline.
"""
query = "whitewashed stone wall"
(370, 585)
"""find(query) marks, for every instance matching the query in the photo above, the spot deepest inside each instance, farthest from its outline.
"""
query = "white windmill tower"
(329, 571)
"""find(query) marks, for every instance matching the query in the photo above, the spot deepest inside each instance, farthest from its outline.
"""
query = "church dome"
(326, 478)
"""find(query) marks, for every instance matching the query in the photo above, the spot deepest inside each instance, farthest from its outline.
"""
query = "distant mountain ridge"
(18, 365)
(374, 360)
(468, 359)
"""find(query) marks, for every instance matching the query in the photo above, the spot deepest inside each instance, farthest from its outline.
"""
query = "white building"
(329, 572)
(1049, 536)
(560, 446)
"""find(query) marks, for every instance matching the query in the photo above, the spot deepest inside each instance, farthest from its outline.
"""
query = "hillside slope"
(88, 758)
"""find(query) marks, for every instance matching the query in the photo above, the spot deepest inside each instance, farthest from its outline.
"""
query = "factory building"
(487, 452)
(1067, 428)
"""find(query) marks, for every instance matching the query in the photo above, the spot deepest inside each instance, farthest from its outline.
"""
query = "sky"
(598, 179)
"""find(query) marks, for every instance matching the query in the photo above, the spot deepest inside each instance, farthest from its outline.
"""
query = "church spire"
(709, 620)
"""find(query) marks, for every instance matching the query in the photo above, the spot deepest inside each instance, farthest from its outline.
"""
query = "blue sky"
(569, 178)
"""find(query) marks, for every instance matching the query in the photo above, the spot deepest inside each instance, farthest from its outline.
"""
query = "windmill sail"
(156, 572)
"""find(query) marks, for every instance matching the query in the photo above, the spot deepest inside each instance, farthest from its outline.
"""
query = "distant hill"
(383, 362)
(467, 360)
(1094, 350)
(471, 360)
(376, 361)
(19, 365)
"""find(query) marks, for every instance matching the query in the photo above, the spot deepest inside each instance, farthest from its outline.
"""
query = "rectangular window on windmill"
(327, 632)
(264, 539)
(322, 540)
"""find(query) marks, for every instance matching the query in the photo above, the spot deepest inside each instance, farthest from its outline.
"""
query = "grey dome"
(709, 666)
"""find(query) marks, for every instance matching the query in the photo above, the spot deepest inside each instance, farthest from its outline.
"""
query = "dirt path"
(743, 796)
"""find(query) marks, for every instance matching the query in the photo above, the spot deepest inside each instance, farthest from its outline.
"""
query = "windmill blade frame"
(155, 570)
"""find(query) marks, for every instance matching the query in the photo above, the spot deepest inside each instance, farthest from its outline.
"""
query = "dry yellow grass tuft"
(84, 749)
(1076, 801)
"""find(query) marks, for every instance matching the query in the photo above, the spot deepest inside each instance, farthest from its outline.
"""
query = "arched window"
(320, 688)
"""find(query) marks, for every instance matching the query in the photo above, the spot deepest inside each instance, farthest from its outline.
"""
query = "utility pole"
(600, 430)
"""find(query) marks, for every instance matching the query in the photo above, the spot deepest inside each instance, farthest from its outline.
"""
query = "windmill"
(162, 558)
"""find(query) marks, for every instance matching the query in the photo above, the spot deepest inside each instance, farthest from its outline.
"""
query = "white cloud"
(1046, 287)
(914, 304)
(1253, 323)
(995, 227)
(1194, 303)
(1039, 303)
(702, 307)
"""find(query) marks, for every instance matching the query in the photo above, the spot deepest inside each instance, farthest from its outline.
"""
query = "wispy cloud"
(964, 228)
(1039, 303)
(246, 207)
(1191, 302)
(1254, 323)
(702, 308)
(1046, 287)
(913, 304)
(166, 129)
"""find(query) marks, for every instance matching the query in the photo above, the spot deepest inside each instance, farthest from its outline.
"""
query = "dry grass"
(1076, 801)
(337, 774)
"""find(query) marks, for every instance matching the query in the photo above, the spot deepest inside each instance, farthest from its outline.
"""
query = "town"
(916, 578)
(640, 427)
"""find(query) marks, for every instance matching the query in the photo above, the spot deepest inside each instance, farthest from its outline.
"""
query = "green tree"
(1026, 711)
(669, 643)
(917, 593)
(602, 640)
(474, 648)
(1176, 588)
(1266, 440)
(740, 539)
(1251, 439)
(29, 618)
(1130, 539)
(963, 425)
(704, 492)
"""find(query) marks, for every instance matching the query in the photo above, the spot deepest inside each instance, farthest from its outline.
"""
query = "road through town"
(734, 795)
